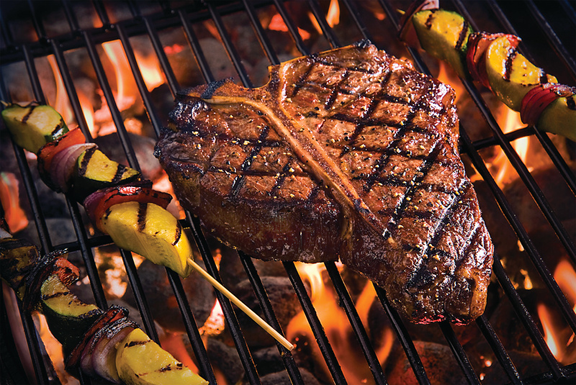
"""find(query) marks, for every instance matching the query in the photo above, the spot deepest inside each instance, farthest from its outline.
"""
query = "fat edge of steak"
(445, 279)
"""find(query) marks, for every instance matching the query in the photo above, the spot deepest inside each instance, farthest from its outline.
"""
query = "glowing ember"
(215, 323)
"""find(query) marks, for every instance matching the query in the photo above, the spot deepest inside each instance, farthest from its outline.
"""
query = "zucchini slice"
(444, 35)
(67, 316)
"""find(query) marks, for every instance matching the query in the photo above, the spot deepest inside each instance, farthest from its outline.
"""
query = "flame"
(333, 15)
(150, 69)
(173, 344)
(61, 103)
(124, 81)
(551, 338)
(558, 336)
(87, 110)
(565, 276)
(277, 24)
(14, 215)
(336, 325)
(54, 350)
(509, 120)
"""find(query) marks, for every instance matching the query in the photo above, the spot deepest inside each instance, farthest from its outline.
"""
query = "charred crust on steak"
(347, 154)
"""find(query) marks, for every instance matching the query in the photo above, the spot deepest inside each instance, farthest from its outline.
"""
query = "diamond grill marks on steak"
(348, 154)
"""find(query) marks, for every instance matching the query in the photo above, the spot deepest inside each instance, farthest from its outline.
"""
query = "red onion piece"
(91, 203)
(104, 355)
(540, 97)
(64, 164)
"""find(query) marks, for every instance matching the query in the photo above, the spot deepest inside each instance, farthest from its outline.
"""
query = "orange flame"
(277, 24)
(336, 325)
(122, 71)
(87, 110)
(150, 69)
(332, 17)
(13, 213)
(557, 335)
(565, 276)
(61, 103)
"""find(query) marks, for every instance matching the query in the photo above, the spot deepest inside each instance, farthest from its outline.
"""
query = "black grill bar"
(315, 324)
(356, 323)
(184, 17)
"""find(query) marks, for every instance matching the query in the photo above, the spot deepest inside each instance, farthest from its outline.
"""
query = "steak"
(349, 154)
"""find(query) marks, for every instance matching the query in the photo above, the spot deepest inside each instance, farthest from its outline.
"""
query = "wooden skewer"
(277, 336)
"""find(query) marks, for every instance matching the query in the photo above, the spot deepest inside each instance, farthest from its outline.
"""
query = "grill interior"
(548, 31)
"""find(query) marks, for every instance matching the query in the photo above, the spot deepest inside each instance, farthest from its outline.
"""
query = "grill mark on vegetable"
(119, 173)
(84, 164)
(512, 52)
(430, 19)
(28, 114)
(462, 35)
(571, 103)
(58, 127)
(136, 343)
(141, 221)
(178, 234)
(55, 295)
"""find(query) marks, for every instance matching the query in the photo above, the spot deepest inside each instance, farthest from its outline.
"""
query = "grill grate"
(12, 51)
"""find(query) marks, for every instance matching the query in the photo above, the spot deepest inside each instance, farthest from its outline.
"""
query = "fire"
(332, 17)
(557, 335)
(60, 103)
(277, 24)
(124, 81)
(336, 325)
(565, 276)
(150, 69)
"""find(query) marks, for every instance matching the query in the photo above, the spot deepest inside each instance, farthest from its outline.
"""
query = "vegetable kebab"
(493, 60)
(100, 343)
(117, 200)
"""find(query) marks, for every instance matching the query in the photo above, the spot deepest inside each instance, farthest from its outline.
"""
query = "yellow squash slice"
(140, 361)
(151, 231)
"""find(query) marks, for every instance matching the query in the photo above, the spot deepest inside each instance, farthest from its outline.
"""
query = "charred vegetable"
(444, 35)
(149, 230)
(510, 75)
(140, 361)
(494, 61)
(33, 126)
(49, 152)
(98, 203)
(551, 107)
(96, 171)
(67, 316)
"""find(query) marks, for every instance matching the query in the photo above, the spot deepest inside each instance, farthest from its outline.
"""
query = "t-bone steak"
(348, 154)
